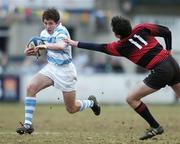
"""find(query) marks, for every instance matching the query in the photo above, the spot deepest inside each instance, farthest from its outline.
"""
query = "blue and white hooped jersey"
(59, 57)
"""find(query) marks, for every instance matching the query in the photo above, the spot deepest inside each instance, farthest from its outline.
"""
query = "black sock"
(143, 111)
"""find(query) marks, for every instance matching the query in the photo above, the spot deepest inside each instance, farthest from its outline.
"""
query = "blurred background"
(109, 78)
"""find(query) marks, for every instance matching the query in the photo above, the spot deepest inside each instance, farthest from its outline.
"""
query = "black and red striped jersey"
(141, 47)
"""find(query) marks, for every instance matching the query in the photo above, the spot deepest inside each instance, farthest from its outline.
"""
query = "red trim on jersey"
(112, 49)
(158, 58)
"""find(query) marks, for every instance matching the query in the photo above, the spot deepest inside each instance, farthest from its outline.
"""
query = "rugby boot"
(96, 108)
(151, 132)
(25, 128)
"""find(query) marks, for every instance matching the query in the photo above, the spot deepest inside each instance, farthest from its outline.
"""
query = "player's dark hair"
(51, 14)
(121, 26)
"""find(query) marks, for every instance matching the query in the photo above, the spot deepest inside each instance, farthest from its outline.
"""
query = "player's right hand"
(30, 51)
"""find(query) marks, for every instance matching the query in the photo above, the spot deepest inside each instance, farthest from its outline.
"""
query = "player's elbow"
(168, 32)
(61, 45)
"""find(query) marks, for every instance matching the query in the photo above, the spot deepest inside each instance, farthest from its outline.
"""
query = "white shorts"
(64, 76)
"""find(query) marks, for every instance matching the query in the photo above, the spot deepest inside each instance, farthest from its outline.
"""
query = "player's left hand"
(43, 46)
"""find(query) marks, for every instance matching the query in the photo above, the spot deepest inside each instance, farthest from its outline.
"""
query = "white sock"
(30, 104)
(85, 104)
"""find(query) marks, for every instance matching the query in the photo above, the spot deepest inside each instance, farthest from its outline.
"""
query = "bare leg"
(38, 83)
(72, 105)
(176, 89)
(135, 95)
(134, 100)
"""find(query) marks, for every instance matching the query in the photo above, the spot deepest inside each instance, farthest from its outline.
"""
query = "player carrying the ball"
(59, 72)
(140, 46)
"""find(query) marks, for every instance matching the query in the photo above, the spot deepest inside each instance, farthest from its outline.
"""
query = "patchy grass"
(117, 124)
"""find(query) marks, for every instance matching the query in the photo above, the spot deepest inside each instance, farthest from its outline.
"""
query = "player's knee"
(31, 89)
(130, 99)
(178, 93)
(71, 110)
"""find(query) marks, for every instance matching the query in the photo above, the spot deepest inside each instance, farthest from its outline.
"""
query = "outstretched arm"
(88, 46)
(92, 46)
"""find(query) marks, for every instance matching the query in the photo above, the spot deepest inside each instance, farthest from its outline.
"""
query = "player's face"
(50, 25)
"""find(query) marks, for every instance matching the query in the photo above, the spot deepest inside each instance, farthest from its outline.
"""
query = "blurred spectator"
(81, 61)
(3, 61)
(127, 6)
(101, 22)
(32, 64)
(100, 65)
(117, 66)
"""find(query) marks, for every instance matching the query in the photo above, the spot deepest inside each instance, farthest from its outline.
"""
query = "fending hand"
(67, 41)
(71, 42)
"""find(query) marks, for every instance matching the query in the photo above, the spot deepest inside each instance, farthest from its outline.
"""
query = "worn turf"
(117, 124)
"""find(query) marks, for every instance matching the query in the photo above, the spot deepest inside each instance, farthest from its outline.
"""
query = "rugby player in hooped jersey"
(140, 46)
(59, 71)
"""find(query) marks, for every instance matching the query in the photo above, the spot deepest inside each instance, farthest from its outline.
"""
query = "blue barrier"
(9, 88)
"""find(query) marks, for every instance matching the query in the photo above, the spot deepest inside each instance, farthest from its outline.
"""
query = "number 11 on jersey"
(136, 43)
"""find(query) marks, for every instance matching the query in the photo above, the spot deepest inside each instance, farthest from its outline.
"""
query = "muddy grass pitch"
(117, 124)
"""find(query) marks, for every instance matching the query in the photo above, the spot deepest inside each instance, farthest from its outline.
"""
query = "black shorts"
(165, 73)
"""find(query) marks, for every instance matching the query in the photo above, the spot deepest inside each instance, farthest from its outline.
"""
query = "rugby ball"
(35, 41)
